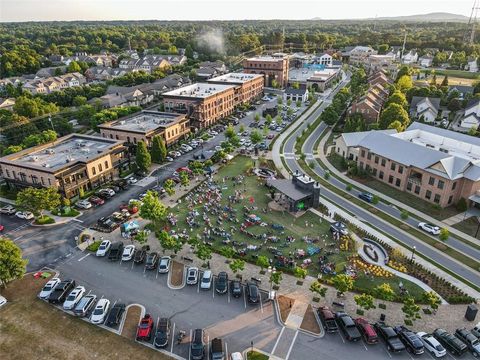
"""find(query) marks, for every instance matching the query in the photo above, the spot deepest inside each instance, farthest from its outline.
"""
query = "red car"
(95, 200)
(367, 331)
(145, 328)
(130, 209)
(2, 227)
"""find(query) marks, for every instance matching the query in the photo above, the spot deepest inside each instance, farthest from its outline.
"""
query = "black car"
(394, 344)
(141, 254)
(151, 261)
(116, 251)
(197, 346)
(162, 333)
(348, 327)
(221, 285)
(236, 288)
(366, 196)
(115, 314)
(59, 294)
(412, 341)
(253, 295)
(450, 342)
(470, 340)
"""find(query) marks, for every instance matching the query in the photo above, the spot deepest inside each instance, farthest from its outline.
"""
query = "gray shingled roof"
(416, 99)
(354, 138)
(446, 133)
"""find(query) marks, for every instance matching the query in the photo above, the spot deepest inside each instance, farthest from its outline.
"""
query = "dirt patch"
(440, 246)
(131, 322)
(310, 322)
(176, 276)
(285, 305)
(33, 329)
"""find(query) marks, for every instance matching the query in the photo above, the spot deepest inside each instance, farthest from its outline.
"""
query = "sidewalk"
(391, 200)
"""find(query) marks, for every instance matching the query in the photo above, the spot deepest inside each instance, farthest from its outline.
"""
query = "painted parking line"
(451, 356)
(77, 220)
(228, 292)
(84, 257)
(261, 303)
(226, 348)
(173, 338)
(213, 288)
(388, 352)
(291, 345)
(278, 339)
(341, 336)
(133, 263)
(198, 286)
(208, 345)
(245, 298)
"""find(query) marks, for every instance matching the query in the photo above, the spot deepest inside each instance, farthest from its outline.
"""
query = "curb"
(172, 287)
(142, 314)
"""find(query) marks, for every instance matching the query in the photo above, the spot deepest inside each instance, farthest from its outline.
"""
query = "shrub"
(326, 176)
(44, 220)
(462, 205)
(348, 187)
(94, 247)
(375, 199)
(444, 234)
(404, 214)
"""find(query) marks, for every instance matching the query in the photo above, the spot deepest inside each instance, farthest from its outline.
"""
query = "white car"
(84, 204)
(103, 248)
(109, 191)
(3, 301)
(164, 264)
(132, 180)
(432, 345)
(73, 298)
(429, 228)
(218, 148)
(237, 356)
(48, 288)
(128, 252)
(100, 311)
(192, 275)
(8, 209)
(27, 215)
(169, 159)
(206, 282)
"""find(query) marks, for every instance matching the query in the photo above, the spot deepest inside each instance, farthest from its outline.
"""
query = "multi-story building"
(204, 103)
(145, 125)
(149, 63)
(247, 86)
(73, 164)
(316, 76)
(273, 68)
(435, 164)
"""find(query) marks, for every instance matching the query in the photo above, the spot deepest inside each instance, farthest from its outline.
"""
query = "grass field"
(462, 74)
(468, 226)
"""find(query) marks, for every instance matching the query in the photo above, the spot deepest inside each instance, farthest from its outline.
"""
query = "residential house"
(210, 69)
(106, 60)
(323, 59)
(425, 61)
(463, 90)
(54, 83)
(104, 73)
(410, 57)
(149, 63)
(424, 108)
(471, 119)
(50, 71)
(472, 64)
(300, 94)
(359, 54)
(7, 103)
(125, 96)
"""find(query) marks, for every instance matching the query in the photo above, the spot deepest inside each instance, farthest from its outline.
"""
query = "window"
(363, 153)
(42, 180)
(384, 162)
(100, 168)
(409, 186)
(128, 138)
(393, 166)
(428, 195)
(436, 199)
(376, 159)
(49, 182)
(390, 179)
(454, 185)
(450, 198)
(417, 189)
(381, 175)
(369, 156)
(94, 171)
(134, 140)
(397, 182)
(431, 181)
(400, 169)
(106, 164)
(441, 184)
(361, 165)
(374, 172)
(7, 172)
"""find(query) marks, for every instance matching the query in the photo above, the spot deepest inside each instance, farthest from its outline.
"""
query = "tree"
(393, 112)
(79, 100)
(268, 119)
(227, 251)
(152, 208)
(317, 288)
(257, 117)
(397, 97)
(256, 137)
(237, 265)
(404, 83)
(296, 85)
(276, 277)
(384, 292)
(169, 242)
(142, 157)
(444, 234)
(73, 67)
(364, 301)
(241, 129)
(329, 116)
(279, 100)
(278, 120)
(184, 178)
(397, 125)
(37, 200)
(33, 107)
(12, 265)
(298, 103)
(141, 237)
(203, 252)
(169, 186)
(289, 102)
(432, 299)
(263, 262)
(300, 273)
(230, 131)
(444, 81)
(410, 309)
(433, 82)
(159, 150)
(342, 283)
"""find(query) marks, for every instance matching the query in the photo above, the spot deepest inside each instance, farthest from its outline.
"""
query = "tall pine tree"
(159, 150)
(142, 157)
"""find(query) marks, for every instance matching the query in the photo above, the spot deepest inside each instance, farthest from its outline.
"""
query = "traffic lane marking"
(278, 339)
(291, 345)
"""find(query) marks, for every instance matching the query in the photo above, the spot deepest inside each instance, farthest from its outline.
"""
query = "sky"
(56, 10)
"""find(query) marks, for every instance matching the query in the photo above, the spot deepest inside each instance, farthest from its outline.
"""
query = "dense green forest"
(24, 46)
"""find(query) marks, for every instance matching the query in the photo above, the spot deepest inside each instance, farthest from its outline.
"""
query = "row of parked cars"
(11, 210)
(400, 338)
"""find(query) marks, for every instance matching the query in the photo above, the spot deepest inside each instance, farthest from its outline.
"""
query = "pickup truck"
(470, 340)
(412, 341)
(394, 344)
(145, 328)
(116, 250)
(450, 342)
(348, 327)
(59, 294)
(328, 319)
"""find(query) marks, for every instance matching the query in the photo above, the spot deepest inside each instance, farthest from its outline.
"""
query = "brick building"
(272, 67)
(248, 87)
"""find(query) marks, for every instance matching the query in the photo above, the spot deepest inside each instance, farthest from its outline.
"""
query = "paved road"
(289, 150)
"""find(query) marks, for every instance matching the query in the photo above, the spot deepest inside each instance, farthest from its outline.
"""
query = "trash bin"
(382, 317)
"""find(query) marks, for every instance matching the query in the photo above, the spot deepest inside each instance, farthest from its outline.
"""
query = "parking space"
(189, 308)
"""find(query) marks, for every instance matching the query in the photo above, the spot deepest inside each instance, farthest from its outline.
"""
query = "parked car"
(432, 345)
(429, 228)
(145, 328)
(8, 209)
(84, 306)
(48, 288)
(394, 344)
(328, 319)
(450, 342)
(132, 180)
(206, 281)
(221, 284)
(366, 196)
(236, 288)
(27, 215)
(217, 349)
(73, 298)
(347, 325)
(197, 346)
(61, 291)
(253, 294)
(339, 227)
(102, 194)
(141, 254)
(115, 314)
(108, 191)
(412, 341)
(366, 329)
(103, 248)
(192, 275)
(128, 252)
(164, 264)
(162, 333)
(95, 200)
(151, 261)
(476, 330)
(83, 204)
(116, 250)
(470, 340)
(3, 300)
(100, 312)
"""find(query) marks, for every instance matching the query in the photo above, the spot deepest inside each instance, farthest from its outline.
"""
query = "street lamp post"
(271, 270)
(414, 248)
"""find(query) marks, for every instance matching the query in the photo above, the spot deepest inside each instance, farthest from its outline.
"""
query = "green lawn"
(457, 73)
(253, 355)
(369, 283)
(468, 226)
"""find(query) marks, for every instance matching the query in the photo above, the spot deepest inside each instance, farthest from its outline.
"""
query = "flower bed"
(369, 269)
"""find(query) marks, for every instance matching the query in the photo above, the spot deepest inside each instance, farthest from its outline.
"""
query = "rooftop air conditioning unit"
(122, 122)
(34, 158)
(46, 165)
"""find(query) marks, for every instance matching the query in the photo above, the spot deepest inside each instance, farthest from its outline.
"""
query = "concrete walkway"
(295, 317)
(415, 212)
(455, 219)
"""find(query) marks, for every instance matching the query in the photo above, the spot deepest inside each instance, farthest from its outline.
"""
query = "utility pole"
(469, 37)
